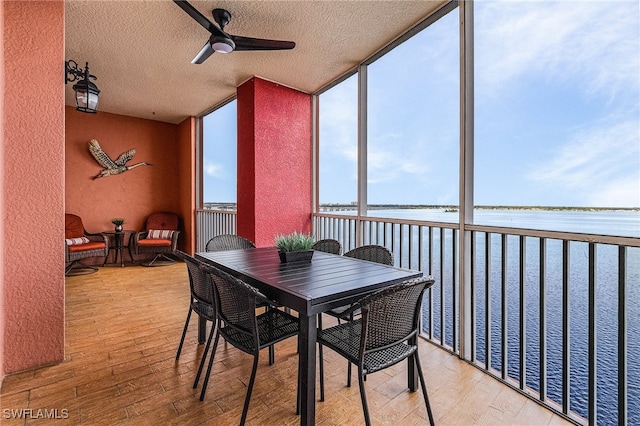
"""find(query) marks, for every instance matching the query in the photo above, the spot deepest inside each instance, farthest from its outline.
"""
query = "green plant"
(294, 242)
(117, 221)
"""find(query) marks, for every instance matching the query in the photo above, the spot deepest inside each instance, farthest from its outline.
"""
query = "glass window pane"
(413, 122)
(557, 118)
(219, 156)
(338, 165)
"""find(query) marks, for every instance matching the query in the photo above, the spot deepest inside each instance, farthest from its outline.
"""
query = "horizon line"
(452, 206)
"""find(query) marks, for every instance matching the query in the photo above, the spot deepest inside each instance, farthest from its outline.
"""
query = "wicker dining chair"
(386, 334)
(372, 253)
(238, 324)
(228, 242)
(328, 245)
(236, 242)
(202, 303)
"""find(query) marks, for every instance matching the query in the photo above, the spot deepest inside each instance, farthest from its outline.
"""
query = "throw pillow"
(159, 234)
(76, 241)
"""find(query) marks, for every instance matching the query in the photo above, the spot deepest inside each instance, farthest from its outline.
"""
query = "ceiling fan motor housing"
(222, 17)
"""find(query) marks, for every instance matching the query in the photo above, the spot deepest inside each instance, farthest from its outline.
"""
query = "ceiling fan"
(223, 42)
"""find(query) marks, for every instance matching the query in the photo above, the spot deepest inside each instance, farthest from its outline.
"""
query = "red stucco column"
(274, 161)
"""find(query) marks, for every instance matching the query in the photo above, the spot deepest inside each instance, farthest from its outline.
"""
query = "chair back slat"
(372, 253)
(392, 315)
(228, 242)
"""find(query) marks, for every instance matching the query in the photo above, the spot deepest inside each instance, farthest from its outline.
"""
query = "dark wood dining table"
(328, 281)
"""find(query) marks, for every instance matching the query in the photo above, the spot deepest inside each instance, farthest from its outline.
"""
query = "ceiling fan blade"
(204, 53)
(250, 43)
(199, 18)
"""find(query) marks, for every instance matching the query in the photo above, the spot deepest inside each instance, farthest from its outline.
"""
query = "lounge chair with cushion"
(80, 244)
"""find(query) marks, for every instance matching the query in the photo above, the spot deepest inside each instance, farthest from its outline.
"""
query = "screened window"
(338, 133)
(219, 157)
(557, 118)
(413, 121)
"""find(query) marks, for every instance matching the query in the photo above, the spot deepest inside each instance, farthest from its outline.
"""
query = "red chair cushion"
(73, 227)
(94, 245)
(154, 243)
(163, 220)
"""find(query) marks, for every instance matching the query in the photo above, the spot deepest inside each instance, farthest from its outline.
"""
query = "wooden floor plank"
(123, 326)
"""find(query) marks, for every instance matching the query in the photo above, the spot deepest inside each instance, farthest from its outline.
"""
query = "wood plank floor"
(122, 330)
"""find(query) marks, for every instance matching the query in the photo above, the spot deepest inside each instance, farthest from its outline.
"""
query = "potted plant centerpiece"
(295, 247)
(118, 222)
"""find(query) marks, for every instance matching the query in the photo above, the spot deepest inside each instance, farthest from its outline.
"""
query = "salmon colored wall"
(32, 178)
(274, 161)
(133, 194)
(187, 181)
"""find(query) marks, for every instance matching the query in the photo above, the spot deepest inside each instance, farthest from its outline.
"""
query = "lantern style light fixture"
(86, 92)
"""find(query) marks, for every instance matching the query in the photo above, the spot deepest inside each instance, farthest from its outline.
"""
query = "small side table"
(118, 239)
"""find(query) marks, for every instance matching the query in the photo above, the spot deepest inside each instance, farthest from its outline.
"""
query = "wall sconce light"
(86, 91)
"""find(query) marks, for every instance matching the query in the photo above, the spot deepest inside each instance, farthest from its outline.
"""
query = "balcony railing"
(548, 313)
(211, 223)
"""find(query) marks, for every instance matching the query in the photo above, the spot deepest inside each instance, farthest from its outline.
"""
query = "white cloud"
(339, 112)
(599, 164)
(583, 41)
(386, 163)
(214, 170)
(386, 166)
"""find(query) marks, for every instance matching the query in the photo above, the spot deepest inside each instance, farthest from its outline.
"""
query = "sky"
(557, 113)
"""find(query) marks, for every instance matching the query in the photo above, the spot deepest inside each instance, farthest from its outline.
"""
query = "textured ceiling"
(141, 50)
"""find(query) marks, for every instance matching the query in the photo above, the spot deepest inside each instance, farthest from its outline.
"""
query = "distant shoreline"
(449, 208)
(452, 207)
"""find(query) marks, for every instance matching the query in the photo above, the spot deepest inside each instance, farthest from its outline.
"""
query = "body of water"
(616, 223)
(625, 223)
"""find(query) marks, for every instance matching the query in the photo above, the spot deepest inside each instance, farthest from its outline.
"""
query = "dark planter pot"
(295, 256)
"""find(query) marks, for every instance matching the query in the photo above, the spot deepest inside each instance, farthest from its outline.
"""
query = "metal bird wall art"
(112, 167)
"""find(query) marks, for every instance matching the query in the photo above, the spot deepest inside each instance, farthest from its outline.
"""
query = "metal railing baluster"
(622, 336)
(442, 298)
(566, 335)
(487, 300)
(454, 292)
(593, 338)
(431, 288)
(504, 344)
(523, 313)
(473, 297)
(542, 375)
